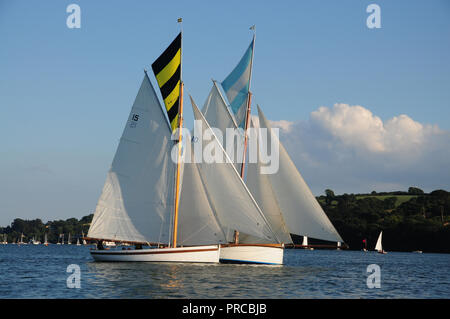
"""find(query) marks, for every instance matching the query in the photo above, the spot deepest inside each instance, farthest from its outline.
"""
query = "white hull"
(253, 254)
(195, 254)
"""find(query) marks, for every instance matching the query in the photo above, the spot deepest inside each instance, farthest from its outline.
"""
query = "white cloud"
(350, 149)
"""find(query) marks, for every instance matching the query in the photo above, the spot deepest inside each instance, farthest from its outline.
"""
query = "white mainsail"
(378, 246)
(233, 204)
(137, 199)
(301, 212)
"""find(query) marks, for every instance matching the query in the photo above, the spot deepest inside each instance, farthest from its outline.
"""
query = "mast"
(180, 125)
(249, 101)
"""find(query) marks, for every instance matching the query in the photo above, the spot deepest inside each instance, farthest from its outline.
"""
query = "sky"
(359, 109)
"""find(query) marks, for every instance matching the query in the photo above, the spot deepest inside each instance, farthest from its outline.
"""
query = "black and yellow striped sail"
(167, 69)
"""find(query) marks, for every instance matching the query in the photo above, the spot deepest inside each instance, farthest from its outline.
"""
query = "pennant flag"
(236, 86)
(167, 69)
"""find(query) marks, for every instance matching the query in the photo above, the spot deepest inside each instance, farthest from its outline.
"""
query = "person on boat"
(236, 237)
(100, 245)
(138, 246)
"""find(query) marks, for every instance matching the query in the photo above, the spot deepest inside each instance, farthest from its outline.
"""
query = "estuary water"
(36, 271)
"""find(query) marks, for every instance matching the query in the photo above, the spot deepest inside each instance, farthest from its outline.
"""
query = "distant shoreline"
(411, 221)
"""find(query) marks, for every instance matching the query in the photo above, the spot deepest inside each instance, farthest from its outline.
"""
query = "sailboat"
(45, 240)
(61, 237)
(35, 242)
(378, 246)
(78, 242)
(69, 240)
(21, 242)
(284, 197)
(305, 243)
(83, 240)
(5, 240)
(178, 210)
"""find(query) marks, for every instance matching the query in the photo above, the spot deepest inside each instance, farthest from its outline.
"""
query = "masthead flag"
(167, 69)
(236, 86)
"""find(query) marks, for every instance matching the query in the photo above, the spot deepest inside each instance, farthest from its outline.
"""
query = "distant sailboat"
(305, 243)
(378, 246)
(365, 245)
(5, 240)
(338, 245)
(60, 239)
(83, 240)
(78, 242)
(69, 241)
(45, 240)
(21, 242)
(34, 241)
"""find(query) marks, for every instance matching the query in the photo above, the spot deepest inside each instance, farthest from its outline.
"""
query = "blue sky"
(66, 93)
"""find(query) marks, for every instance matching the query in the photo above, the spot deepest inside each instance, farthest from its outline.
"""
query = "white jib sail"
(378, 246)
(137, 199)
(197, 224)
(233, 205)
(301, 211)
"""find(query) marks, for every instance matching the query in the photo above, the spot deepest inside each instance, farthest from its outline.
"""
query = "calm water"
(40, 272)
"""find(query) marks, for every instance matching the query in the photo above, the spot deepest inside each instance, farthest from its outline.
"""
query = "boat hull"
(252, 254)
(197, 254)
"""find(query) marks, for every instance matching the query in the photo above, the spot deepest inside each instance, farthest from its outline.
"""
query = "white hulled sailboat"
(378, 245)
(284, 198)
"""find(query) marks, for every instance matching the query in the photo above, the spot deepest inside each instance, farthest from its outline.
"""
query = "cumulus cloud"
(351, 149)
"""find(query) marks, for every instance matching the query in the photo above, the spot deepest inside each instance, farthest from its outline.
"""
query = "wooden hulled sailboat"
(283, 197)
(142, 186)
(175, 208)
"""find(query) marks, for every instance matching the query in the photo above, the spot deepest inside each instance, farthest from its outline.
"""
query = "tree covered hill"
(410, 221)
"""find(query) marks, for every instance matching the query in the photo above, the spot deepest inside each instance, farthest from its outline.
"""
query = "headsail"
(197, 224)
(137, 198)
(301, 211)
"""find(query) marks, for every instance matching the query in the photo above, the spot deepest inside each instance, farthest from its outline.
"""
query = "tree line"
(419, 223)
(37, 229)
(412, 220)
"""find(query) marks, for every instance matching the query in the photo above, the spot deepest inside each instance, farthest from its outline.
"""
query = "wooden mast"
(180, 125)
(249, 101)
